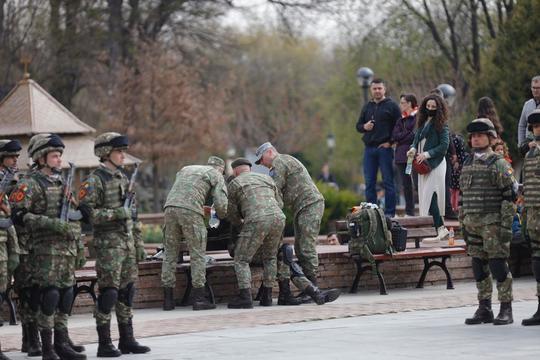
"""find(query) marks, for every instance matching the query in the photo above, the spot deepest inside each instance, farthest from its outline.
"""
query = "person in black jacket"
(376, 122)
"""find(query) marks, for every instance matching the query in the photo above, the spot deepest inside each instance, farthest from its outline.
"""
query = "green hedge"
(337, 204)
(152, 234)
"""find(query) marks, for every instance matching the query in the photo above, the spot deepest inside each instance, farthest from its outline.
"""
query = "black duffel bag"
(399, 236)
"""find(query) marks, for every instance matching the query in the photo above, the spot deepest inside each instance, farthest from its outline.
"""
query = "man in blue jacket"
(376, 122)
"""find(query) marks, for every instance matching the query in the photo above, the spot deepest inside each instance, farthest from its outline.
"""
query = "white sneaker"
(442, 235)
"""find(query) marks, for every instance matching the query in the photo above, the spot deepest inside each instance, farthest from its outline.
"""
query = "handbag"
(422, 168)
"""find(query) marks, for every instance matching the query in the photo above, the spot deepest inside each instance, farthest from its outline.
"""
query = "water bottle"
(451, 241)
(408, 169)
(214, 220)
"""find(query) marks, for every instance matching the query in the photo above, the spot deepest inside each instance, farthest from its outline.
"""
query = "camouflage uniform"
(488, 191)
(104, 192)
(302, 196)
(255, 199)
(531, 190)
(184, 219)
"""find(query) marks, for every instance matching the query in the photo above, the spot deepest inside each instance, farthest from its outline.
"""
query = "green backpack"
(369, 231)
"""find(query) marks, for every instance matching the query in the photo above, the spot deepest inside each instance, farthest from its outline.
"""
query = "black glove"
(17, 216)
(86, 212)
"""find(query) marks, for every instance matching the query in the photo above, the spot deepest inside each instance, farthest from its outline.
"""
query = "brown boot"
(200, 301)
(127, 343)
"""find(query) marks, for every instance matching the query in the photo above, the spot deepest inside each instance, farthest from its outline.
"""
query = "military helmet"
(109, 141)
(533, 118)
(42, 144)
(482, 126)
(9, 148)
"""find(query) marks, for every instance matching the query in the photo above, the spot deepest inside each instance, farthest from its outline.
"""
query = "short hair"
(535, 78)
(377, 81)
(410, 98)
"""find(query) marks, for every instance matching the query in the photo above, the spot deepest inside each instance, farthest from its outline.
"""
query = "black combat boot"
(24, 342)
(482, 315)
(2, 356)
(32, 335)
(62, 347)
(127, 343)
(535, 319)
(200, 301)
(48, 348)
(105, 345)
(242, 301)
(285, 296)
(505, 314)
(76, 348)
(266, 296)
(321, 297)
(168, 299)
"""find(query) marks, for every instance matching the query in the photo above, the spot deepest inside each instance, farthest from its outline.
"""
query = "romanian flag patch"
(84, 189)
(19, 194)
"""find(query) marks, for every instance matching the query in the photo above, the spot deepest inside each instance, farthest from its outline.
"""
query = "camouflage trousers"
(532, 218)
(4, 276)
(57, 271)
(184, 225)
(284, 272)
(22, 284)
(489, 241)
(307, 224)
(115, 268)
(264, 235)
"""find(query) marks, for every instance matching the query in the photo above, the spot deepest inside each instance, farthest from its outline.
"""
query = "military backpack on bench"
(370, 232)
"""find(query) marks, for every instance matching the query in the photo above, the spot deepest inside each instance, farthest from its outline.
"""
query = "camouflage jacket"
(294, 182)
(9, 243)
(253, 197)
(104, 191)
(192, 187)
(40, 196)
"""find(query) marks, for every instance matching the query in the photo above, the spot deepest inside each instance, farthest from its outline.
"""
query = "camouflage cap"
(240, 162)
(109, 141)
(216, 161)
(534, 117)
(9, 147)
(42, 144)
(482, 126)
(260, 151)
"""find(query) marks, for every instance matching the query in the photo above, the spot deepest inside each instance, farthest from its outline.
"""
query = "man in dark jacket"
(376, 122)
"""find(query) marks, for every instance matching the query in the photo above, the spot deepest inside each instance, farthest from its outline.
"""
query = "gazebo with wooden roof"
(28, 110)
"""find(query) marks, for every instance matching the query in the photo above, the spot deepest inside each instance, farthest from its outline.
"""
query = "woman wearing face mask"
(429, 148)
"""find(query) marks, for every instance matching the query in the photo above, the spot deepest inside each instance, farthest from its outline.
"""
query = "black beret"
(240, 162)
(534, 117)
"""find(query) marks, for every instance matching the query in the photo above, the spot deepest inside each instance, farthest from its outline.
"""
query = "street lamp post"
(449, 93)
(364, 75)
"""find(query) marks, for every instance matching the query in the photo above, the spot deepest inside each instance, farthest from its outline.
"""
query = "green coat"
(436, 143)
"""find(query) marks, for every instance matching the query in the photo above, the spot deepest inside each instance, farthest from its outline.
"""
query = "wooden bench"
(434, 256)
(418, 227)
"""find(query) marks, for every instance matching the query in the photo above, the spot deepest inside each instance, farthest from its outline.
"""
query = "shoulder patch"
(19, 193)
(85, 188)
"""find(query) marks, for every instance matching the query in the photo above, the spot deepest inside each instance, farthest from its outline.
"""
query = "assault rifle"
(66, 213)
(4, 184)
(130, 193)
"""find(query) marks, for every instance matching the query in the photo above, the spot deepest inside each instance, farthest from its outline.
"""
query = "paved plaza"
(407, 323)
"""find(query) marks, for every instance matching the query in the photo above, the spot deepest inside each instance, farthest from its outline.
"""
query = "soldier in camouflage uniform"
(255, 208)
(9, 153)
(302, 196)
(184, 221)
(531, 189)
(488, 191)
(9, 247)
(54, 244)
(118, 251)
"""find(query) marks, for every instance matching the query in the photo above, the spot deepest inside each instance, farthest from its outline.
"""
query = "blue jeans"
(383, 158)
